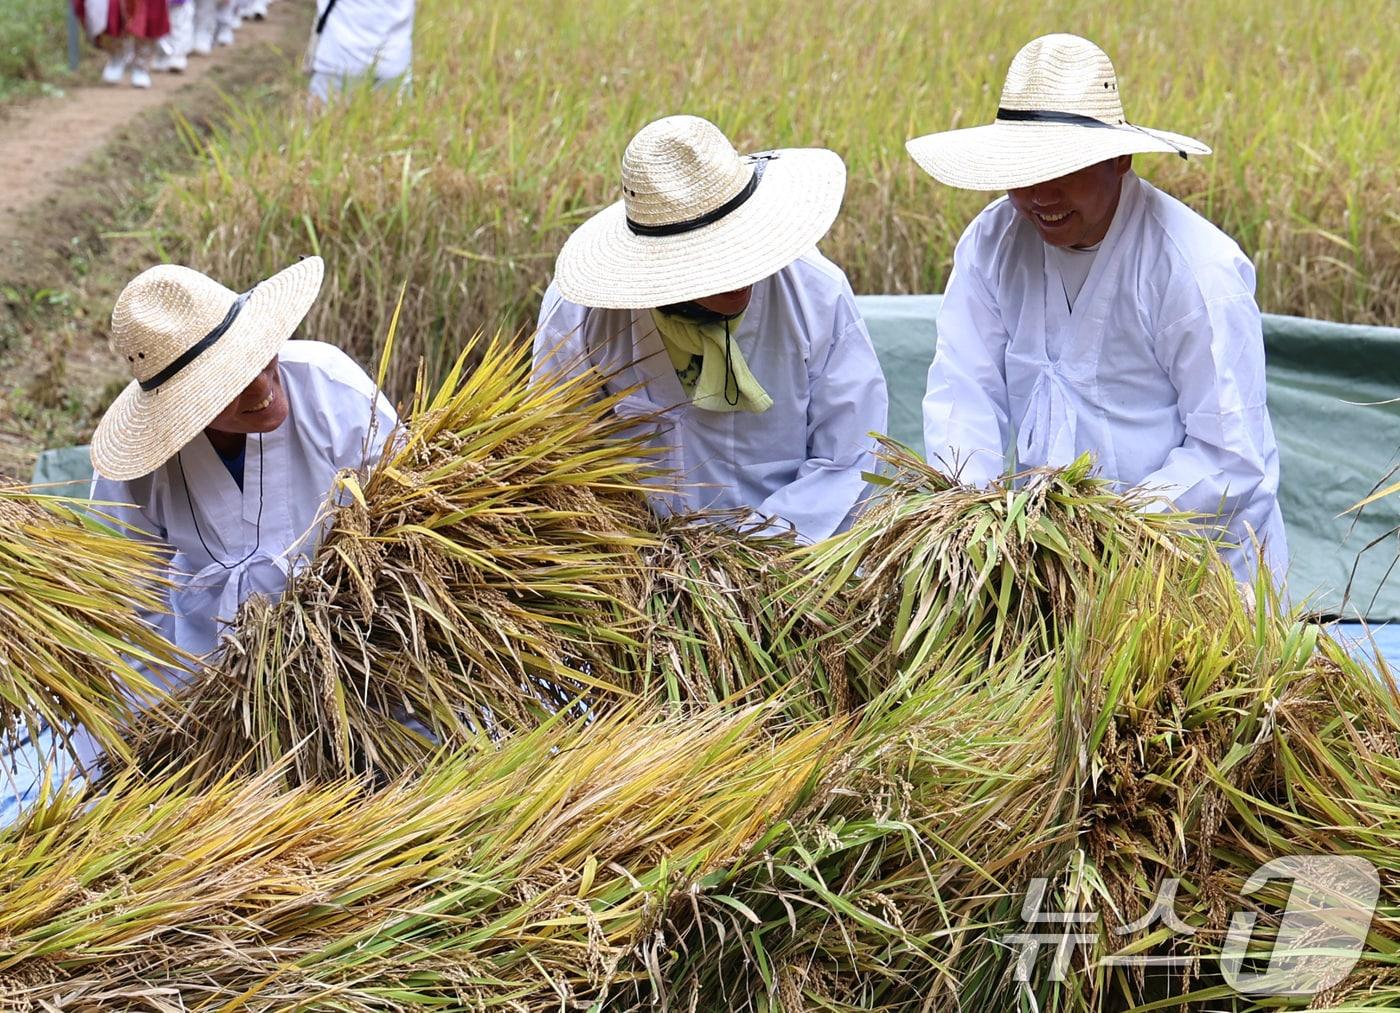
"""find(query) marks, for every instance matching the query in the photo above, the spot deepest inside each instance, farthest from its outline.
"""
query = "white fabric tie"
(1047, 435)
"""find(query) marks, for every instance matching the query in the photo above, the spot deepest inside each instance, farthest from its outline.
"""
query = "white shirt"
(800, 462)
(1073, 267)
(1158, 370)
(335, 420)
(365, 34)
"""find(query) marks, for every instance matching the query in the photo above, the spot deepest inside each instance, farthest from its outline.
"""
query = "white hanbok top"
(361, 35)
(1158, 370)
(335, 420)
(800, 462)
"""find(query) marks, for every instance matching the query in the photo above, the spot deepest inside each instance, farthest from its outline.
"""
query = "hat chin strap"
(199, 347)
(1075, 119)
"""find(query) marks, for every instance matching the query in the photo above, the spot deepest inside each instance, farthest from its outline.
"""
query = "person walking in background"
(176, 47)
(356, 39)
(129, 30)
(214, 22)
(252, 10)
(1090, 311)
(702, 298)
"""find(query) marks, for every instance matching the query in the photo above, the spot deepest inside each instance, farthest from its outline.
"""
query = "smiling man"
(1089, 311)
(226, 444)
(702, 298)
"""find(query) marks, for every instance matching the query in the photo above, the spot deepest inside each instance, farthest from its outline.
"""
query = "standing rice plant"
(73, 648)
(481, 579)
(468, 187)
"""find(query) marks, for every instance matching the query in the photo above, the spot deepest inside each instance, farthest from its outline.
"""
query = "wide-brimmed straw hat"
(1060, 112)
(193, 346)
(697, 218)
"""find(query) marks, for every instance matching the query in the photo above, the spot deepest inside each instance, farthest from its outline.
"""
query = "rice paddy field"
(511, 742)
(520, 111)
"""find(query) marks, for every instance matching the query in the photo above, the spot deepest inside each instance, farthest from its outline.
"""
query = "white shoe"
(203, 45)
(175, 64)
(258, 11)
(225, 36)
(140, 78)
(115, 69)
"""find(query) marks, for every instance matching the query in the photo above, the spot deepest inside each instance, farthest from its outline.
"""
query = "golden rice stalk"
(726, 623)
(482, 578)
(70, 637)
(540, 875)
(1184, 739)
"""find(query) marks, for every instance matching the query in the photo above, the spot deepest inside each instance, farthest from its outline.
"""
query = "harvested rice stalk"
(935, 563)
(1195, 739)
(482, 578)
(726, 623)
(532, 876)
(70, 592)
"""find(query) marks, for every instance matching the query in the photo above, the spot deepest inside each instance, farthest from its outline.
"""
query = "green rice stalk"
(935, 564)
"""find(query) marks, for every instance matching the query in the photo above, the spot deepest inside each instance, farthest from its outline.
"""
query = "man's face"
(728, 304)
(1074, 210)
(261, 408)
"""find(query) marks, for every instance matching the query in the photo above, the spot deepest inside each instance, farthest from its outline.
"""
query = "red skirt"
(143, 19)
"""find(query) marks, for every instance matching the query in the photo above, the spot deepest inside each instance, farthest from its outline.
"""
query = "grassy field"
(33, 46)
(521, 109)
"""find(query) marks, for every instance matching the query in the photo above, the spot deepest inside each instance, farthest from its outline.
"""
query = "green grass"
(521, 109)
(33, 46)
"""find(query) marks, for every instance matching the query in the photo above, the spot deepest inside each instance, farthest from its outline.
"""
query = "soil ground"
(78, 174)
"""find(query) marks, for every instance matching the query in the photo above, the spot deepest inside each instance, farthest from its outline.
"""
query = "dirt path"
(42, 140)
(78, 175)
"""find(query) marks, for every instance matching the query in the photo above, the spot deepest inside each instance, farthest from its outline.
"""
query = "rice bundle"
(935, 566)
(841, 771)
(727, 623)
(541, 875)
(481, 579)
(71, 592)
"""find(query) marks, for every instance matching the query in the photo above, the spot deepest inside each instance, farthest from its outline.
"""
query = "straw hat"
(696, 218)
(1060, 112)
(193, 346)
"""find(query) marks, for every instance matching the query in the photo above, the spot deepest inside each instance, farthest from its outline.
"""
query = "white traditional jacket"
(800, 463)
(1158, 370)
(335, 420)
(365, 35)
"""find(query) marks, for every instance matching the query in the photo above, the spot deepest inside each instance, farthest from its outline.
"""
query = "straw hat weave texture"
(1060, 112)
(697, 218)
(159, 317)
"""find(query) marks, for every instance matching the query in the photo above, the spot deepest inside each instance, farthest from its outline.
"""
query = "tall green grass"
(520, 111)
(33, 45)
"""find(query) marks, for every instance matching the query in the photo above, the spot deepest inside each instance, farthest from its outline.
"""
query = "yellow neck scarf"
(721, 382)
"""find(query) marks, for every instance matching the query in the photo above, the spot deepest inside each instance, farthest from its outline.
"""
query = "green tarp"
(1335, 441)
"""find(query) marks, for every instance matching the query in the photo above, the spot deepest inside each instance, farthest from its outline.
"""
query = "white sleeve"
(560, 350)
(847, 402)
(116, 504)
(966, 418)
(364, 431)
(1215, 360)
